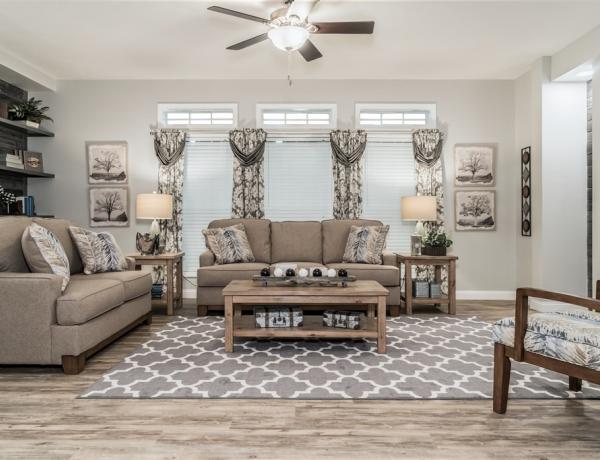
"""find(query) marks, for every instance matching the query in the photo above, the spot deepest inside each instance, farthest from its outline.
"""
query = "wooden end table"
(438, 262)
(173, 262)
(367, 294)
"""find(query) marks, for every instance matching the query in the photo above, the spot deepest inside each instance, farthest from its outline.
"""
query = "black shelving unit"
(29, 131)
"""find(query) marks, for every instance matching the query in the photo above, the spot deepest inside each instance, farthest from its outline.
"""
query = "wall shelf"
(23, 128)
(25, 173)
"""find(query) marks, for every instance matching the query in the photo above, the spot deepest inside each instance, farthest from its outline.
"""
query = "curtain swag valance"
(248, 145)
(427, 144)
(169, 144)
(348, 146)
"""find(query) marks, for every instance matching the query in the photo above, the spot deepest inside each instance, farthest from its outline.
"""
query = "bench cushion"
(221, 275)
(569, 335)
(135, 283)
(386, 275)
(87, 297)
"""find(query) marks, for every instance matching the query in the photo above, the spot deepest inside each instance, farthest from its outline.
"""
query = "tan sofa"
(306, 243)
(41, 325)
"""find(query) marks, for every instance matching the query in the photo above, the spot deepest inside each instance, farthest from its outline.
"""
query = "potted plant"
(435, 242)
(30, 111)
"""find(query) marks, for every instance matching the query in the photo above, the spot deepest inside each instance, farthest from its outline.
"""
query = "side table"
(438, 262)
(173, 263)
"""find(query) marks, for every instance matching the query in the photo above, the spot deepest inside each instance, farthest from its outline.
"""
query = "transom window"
(395, 116)
(198, 116)
(317, 116)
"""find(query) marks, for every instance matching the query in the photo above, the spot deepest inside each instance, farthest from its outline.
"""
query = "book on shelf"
(10, 164)
(26, 205)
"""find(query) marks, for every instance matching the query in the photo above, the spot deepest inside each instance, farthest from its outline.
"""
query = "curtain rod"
(283, 141)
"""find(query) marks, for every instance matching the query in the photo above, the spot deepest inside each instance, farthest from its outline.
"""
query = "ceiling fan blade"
(356, 27)
(249, 42)
(309, 51)
(237, 14)
(301, 8)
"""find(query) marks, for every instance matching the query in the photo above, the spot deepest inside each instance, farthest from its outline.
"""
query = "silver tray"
(304, 280)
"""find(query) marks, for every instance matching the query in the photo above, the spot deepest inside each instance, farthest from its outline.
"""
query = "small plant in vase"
(31, 111)
(6, 199)
(435, 242)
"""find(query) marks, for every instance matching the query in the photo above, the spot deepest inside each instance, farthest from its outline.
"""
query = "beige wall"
(470, 111)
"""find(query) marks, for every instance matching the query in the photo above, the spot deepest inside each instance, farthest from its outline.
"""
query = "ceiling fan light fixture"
(288, 37)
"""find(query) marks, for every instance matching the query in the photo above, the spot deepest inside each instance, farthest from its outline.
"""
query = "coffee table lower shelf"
(313, 327)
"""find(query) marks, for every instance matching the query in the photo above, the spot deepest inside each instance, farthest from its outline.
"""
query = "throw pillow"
(44, 253)
(229, 244)
(365, 245)
(99, 252)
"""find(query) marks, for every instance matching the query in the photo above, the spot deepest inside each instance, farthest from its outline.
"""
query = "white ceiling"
(107, 39)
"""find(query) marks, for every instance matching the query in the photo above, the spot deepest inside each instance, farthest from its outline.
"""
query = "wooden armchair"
(532, 349)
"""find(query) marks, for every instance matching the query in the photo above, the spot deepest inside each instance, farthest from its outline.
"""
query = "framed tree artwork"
(106, 162)
(475, 210)
(474, 165)
(526, 191)
(109, 207)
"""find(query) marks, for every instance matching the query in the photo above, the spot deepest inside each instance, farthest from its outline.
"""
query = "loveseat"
(39, 324)
(305, 243)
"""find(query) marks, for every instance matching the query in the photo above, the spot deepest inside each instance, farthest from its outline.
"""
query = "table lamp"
(152, 206)
(418, 208)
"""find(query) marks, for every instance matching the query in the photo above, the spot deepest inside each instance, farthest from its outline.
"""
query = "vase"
(433, 251)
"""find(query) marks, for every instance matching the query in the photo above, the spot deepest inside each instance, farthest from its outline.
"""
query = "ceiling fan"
(290, 28)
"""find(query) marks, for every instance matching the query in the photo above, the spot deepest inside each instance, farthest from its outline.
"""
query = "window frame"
(430, 108)
(163, 108)
(290, 107)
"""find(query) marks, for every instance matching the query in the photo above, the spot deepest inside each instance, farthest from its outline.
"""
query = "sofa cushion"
(229, 244)
(135, 283)
(569, 335)
(99, 252)
(11, 254)
(258, 232)
(221, 275)
(335, 236)
(296, 241)
(87, 297)
(386, 275)
(60, 228)
(44, 253)
(365, 245)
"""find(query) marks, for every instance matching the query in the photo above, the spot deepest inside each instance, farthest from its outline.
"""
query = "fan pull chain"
(289, 65)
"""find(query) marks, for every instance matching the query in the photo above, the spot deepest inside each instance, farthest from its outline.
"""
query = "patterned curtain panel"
(248, 147)
(347, 149)
(427, 147)
(169, 145)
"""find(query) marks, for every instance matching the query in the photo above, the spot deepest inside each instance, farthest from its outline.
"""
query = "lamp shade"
(154, 206)
(418, 208)
(288, 38)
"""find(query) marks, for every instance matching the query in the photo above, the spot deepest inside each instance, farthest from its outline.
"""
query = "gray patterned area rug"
(428, 357)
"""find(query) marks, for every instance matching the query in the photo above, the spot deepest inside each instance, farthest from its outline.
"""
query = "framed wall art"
(109, 207)
(106, 162)
(475, 165)
(475, 210)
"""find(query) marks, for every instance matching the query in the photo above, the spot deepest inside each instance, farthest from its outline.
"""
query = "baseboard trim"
(460, 295)
(485, 295)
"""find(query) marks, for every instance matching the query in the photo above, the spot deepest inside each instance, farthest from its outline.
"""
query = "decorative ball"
(290, 272)
(342, 273)
(303, 273)
(265, 272)
(317, 272)
(279, 272)
(331, 273)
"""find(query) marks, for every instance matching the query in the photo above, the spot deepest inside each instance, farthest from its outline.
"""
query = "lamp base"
(155, 228)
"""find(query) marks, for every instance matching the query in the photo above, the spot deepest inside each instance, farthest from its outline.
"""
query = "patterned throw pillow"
(44, 253)
(99, 252)
(366, 244)
(229, 244)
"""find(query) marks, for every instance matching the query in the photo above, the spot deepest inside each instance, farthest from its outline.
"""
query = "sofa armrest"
(130, 263)
(207, 258)
(27, 311)
(390, 258)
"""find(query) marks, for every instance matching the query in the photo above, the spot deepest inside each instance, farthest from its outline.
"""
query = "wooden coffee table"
(367, 294)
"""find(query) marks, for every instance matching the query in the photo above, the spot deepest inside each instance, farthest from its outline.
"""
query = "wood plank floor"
(40, 417)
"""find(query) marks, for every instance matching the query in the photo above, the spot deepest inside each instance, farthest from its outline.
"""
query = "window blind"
(389, 173)
(206, 192)
(298, 181)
